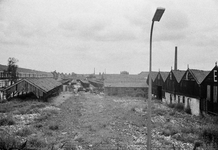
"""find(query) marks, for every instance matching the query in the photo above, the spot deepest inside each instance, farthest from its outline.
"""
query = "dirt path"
(98, 122)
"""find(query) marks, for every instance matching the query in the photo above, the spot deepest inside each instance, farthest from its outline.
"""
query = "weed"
(159, 112)
(186, 138)
(38, 125)
(8, 120)
(8, 142)
(36, 142)
(170, 130)
(171, 105)
(189, 129)
(188, 110)
(24, 132)
(210, 134)
(179, 106)
(53, 127)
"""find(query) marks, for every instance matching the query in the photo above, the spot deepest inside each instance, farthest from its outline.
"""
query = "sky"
(108, 35)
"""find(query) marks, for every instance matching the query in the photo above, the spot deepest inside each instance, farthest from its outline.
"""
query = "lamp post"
(157, 16)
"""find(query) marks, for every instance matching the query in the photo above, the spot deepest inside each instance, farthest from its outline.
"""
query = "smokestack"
(175, 63)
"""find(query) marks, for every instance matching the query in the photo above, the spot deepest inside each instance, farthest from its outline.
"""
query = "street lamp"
(157, 16)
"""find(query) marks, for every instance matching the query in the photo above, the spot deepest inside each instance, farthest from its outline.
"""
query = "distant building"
(125, 85)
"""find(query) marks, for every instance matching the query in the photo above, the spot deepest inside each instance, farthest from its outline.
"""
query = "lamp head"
(158, 14)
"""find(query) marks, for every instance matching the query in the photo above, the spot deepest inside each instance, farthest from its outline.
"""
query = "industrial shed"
(190, 89)
(172, 85)
(153, 77)
(209, 92)
(158, 84)
(41, 87)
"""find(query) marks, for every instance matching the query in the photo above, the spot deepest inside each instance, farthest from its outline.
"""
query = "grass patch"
(38, 125)
(189, 129)
(210, 134)
(8, 142)
(24, 132)
(53, 127)
(171, 105)
(170, 130)
(8, 120)
(46, 114)
(160, 112)
(179, 106)
(188, 110)
(37, 143)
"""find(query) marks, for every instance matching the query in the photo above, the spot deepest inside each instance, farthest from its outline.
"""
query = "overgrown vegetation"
(24, 132)
(7, 120)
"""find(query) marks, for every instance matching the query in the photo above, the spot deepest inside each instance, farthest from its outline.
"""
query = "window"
(183, 99)
(170, 75)
(215, 94)
(208, 92)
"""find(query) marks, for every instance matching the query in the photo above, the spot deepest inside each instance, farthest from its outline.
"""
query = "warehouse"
(209, 96)
(158, 84)
(172, 86)
(190, 89)
(42, 88)
(153, 77)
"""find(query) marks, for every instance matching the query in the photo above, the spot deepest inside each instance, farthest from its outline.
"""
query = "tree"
(12, 69)
(124, 72)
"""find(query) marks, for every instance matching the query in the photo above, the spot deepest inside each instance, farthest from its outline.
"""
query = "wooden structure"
(209, 92)
(190, 89)
(191, 81)
(41, 87)
(159, 84)
(153, 77)
(172, 85)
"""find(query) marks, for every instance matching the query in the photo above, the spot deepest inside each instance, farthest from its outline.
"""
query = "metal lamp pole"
(157, 16)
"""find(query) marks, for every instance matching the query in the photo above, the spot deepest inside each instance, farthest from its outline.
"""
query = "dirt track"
(98, 122)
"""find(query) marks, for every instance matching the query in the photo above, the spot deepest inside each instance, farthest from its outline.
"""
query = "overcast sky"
(112, 35)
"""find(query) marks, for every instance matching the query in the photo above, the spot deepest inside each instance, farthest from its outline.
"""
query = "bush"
(171, 105)
(179, 106)
(7, 142)
(54, 127)
(7, 121)
(210, 134)
(37, 143)
(24, 132)
(38, 125)
(188, 130)
(160, 112)
(188, 110)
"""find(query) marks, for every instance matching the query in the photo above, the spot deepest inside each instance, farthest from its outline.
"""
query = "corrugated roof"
(45, 84)
(199, 75)
(178, 74)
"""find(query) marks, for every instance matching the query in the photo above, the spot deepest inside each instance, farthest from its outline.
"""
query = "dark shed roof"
(178, 74)
(44, 84)
(164, 75)
(199, 75)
